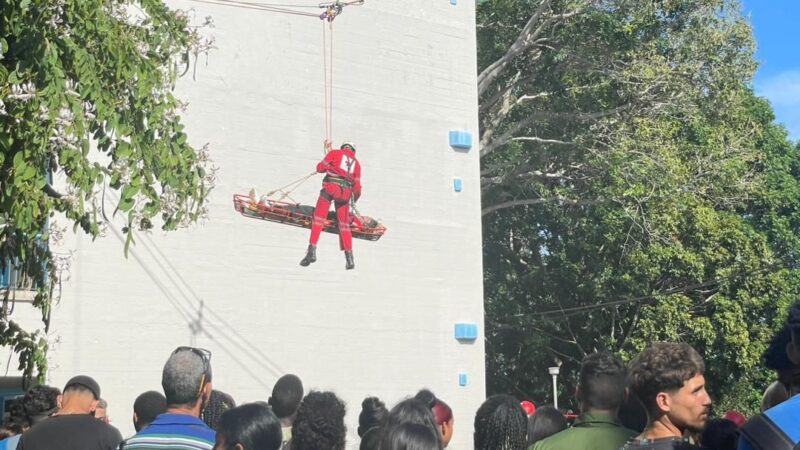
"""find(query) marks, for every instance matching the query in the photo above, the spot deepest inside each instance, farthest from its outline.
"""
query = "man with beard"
(668, 380)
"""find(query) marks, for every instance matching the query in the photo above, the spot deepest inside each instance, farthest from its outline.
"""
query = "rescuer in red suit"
(342, 182)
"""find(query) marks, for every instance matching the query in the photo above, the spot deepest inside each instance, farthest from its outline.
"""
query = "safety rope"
(327, 54)
(294, 185)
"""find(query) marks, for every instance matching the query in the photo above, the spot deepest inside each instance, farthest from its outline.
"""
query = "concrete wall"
(405, 74)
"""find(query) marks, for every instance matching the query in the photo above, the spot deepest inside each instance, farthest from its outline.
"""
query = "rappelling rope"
(293, 185)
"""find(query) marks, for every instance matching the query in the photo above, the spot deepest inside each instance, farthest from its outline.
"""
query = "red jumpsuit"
(342, 181)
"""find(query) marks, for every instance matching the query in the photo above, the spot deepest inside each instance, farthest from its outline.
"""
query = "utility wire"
(576, 310)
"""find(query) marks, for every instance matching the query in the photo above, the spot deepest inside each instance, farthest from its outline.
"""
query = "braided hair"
(500, 424)
(218, 403)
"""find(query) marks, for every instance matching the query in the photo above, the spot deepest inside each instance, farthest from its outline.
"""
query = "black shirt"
(670, 443)
(70, 432)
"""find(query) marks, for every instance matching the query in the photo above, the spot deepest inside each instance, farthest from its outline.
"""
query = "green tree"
(86, 99)
(634, 190)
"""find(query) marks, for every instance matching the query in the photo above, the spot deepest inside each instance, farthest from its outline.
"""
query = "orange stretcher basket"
(299, 215)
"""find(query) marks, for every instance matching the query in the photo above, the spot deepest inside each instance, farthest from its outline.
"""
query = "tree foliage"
(634, 189)
(86, 99)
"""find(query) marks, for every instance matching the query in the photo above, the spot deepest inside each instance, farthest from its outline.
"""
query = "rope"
(258, 7)
(327, 54)
(294, 185)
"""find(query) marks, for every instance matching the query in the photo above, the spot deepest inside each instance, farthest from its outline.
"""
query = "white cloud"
(783, 91)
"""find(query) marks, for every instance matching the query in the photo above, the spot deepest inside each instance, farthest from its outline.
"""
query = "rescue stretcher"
(299, 215)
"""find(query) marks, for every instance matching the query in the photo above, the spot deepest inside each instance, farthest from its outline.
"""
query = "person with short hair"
(101, 412)
(778, 428)
(668, 380)
(500, 424)
(410, 436)
(186, 380)
(600, 393)
(546, 422)
(37, 405)
(252, 426)
(73, 427)
(147, 406)
(320, 423)
(284, 401)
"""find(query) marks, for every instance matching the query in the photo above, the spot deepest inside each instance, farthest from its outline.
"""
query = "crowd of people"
(658, 401)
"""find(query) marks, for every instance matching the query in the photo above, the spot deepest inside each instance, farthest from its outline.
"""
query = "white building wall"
(405, 74)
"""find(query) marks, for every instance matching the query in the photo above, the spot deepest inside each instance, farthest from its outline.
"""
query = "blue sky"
(776, 24)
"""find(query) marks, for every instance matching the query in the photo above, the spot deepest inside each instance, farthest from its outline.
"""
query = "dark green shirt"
(590, 432)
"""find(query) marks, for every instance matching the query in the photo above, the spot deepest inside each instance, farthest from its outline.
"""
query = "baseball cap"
(85, 381)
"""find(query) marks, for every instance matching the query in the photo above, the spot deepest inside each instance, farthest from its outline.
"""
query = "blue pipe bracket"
(466, 331)
(462, 379)
(461, 139)
(458, 184)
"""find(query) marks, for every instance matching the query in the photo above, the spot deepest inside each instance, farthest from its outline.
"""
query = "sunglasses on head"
(205, 356)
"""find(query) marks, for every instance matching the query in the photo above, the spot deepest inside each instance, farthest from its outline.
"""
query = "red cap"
(529, 407)
(736, 417)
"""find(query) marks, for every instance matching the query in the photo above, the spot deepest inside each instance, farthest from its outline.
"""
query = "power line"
(576, 310)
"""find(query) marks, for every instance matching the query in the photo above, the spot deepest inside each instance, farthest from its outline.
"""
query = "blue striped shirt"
(174, 432)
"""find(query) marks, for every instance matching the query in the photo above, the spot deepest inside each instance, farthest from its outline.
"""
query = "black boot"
(311, 256)
(348, 256)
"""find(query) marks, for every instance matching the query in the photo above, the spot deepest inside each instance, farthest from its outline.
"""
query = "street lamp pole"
(554, 373)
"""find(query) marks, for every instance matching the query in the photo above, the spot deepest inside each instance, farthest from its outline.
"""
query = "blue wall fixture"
(466, 331)
(461, 139)
(458, 184)
(453, 2)
(462, 379)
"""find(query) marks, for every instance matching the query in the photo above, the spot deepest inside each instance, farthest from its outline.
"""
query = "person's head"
(546, 422)
(632, 414)
(81, 395)
(286, 396)
(373, 415)
(252, 426)
(186, 380)
(147, 407)
(101, 412)
(217, 404)
(319, 424)
(790, 376)
(668, 380)
(410, 436)
(500, 424)
(442, 414)
(412, 410)
(371, 440)
(720, 434)
(601, 382)
(349, 145)
(39, 403)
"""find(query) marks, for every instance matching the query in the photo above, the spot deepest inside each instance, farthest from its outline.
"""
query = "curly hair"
(775, 356)
(663, 367)
(500, 424)
(40, 400)
(373, 415)
(320, 423)
(602, 381)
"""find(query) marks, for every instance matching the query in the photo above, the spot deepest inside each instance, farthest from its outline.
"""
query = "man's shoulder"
(611, 438)
(169, 429)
